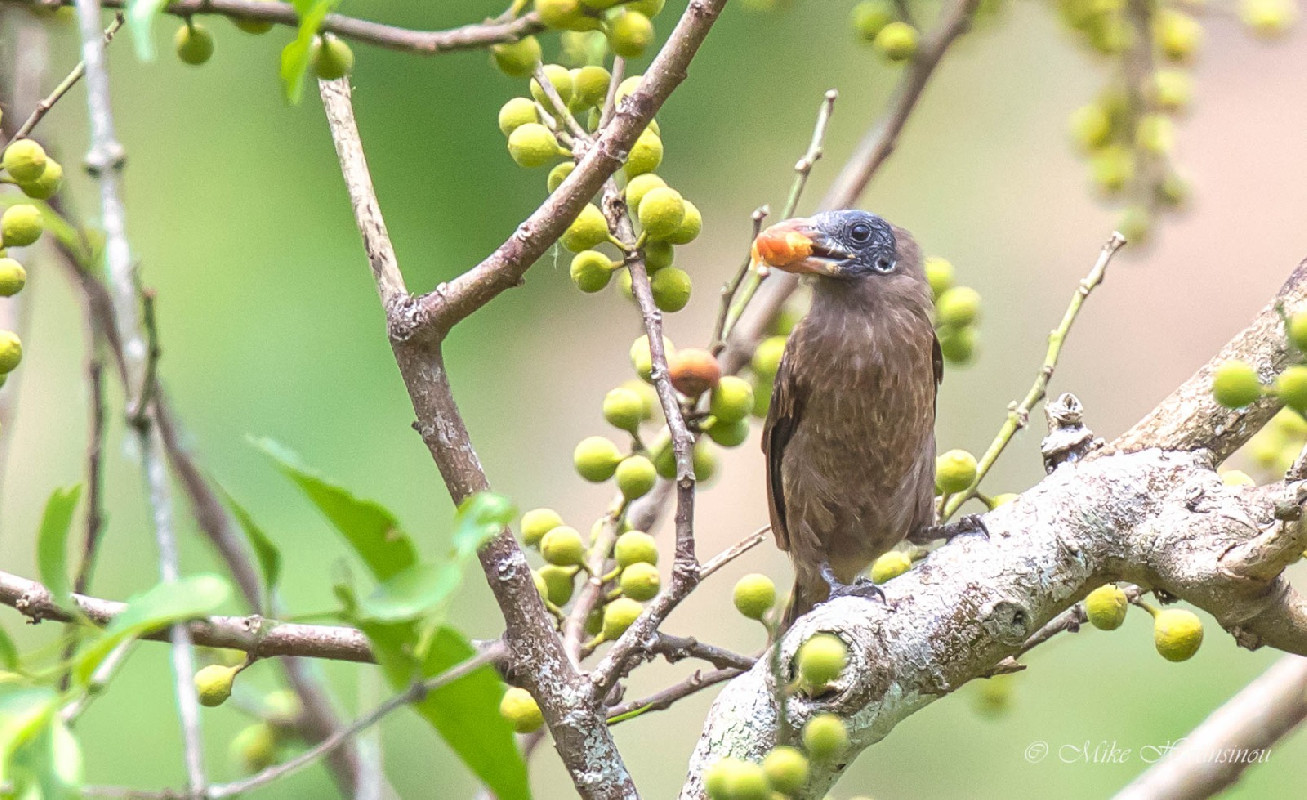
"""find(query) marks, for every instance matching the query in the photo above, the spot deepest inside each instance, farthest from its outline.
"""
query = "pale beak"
(799, 246)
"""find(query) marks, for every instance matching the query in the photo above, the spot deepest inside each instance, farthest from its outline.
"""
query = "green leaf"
(162, 605)
(370, 529)
(265, 552)
(295, 56)
(8, 652)
(140, 18)
(479, 519)
(24, 710)
(49, 764)
(52, 543)
(412, 593)
(466, 712)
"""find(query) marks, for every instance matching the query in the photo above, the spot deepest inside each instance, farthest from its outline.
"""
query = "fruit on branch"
(870, 17)
(588, 230)
(630, 33)
(1111, 168)
(671, 289)
(939, 274)
(521, 710)
(658, 255)
(1297, 329)
(11, 352)
(786, 769)
(690, 227)
(12, 277)
(25, 160)
(731, 400)
(1106, 607)
(662, 209)
(45, 187)
(639, 581)
(642, 358)
(517, 59)
(735, 779)
(559, 174)
(1235, 384)
(1155, 134)
(1236, 477)
(596, 458)
(254, 748)
(618, 616)
(1268, 19)
(213, 684)
(1172, 90)
(537, 522)
(635, 477)
(640, 185)
(591, 270)
(254, 26)
(1177, 633)
(193, 43)
(650, 8)
(754, 595)
(590, 86)
(561, 79)
(1291, 387)
(635, 547)
(897, 41)
(692, 371)
(955, 471)
(820, 661)
(825, 737)
(559, 583)
(1177, 35)
(729, 434)
(566, 15)
(533, 145)
(958, 307)
(705, 461)
(624, 409)
(519, 111)
(645, 156)
(563, 547)
(958, 345)
(890, 566)
(1091, 127)
(767, 357)
(20, 225)
(331, 57)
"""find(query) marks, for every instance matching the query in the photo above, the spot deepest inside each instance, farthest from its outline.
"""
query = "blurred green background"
(270, 326)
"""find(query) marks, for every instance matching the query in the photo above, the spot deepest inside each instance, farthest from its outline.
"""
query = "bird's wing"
(782, 419)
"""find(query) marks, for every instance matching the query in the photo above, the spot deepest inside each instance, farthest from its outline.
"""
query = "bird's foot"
(971, 523)
(862, 586)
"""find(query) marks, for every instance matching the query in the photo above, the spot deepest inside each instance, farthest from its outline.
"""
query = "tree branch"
(1155, 514)
(1234, 737)
(467, 37)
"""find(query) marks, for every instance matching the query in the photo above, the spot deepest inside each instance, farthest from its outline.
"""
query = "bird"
(850, 433)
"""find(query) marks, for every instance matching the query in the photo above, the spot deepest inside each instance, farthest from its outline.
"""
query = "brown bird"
(850, 435)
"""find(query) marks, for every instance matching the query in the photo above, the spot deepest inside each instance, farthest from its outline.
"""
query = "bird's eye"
(860, 232)
(883, 264)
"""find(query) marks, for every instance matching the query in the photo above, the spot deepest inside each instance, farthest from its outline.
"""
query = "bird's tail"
(804, 597)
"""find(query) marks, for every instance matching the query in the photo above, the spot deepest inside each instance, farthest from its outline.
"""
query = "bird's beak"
(799, 246)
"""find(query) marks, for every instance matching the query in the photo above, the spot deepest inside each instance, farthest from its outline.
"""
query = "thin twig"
(734, 551)
(678, 648)
(43, 107)
(1019, 415)
(802, 169)
(415, 693)
(254, 635)
(467, 37)
(94, 476)
(733, 285)
(560, 110)
(138, 413)
(105, 160)
(664, 699)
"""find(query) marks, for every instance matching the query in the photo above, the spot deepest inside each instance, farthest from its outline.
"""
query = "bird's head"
(846, 244)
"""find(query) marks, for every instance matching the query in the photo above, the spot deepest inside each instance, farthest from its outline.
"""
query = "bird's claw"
(862, 586)
(971, 523)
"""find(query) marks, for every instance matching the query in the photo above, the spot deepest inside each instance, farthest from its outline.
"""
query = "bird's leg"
(862, 586)
(971, 523)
